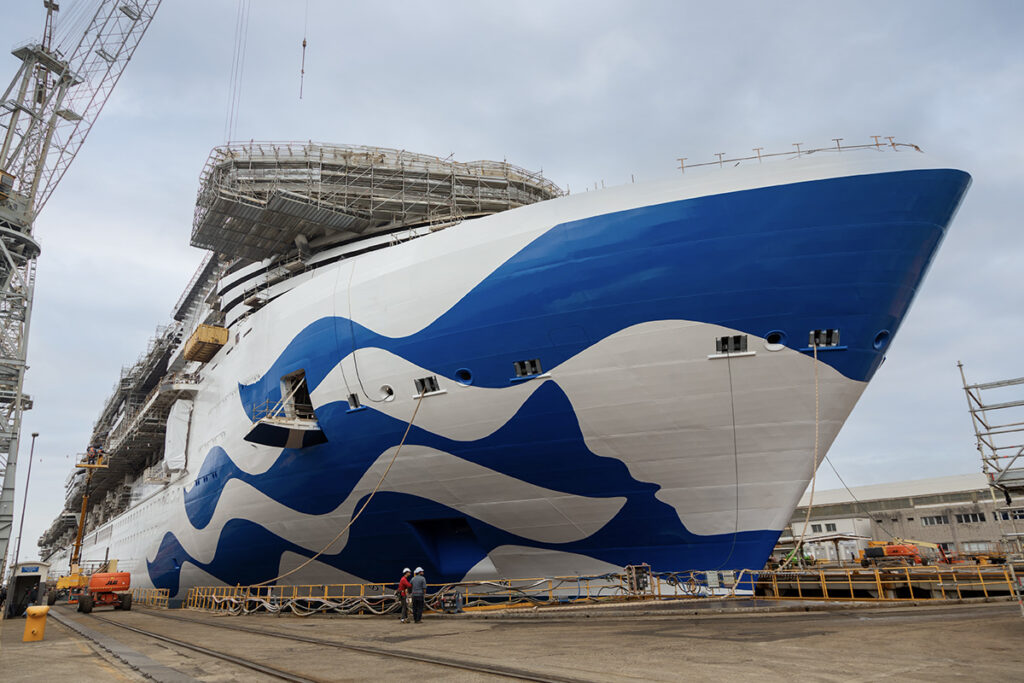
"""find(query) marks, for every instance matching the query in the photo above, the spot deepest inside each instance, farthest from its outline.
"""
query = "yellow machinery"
(35, 624)
(93, 460)
(73, 584)
(902, 552)
(205, 342)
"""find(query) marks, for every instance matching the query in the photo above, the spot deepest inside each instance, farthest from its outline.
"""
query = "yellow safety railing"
(935, 582)
(302, 599)
(150, 597)
(931, 583)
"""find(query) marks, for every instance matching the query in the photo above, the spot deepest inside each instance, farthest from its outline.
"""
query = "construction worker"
(419, 595)
(403, 594)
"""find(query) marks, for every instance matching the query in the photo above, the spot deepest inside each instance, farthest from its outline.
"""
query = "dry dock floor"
(980, 641)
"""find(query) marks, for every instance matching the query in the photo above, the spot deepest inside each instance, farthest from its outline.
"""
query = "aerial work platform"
(256, 198)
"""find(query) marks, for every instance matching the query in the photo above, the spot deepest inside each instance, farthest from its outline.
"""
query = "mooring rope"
(814, 470)
(376, 488)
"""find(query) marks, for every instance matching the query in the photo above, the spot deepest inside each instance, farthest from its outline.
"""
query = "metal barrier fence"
(348, 598)
(891, 584)
(637, 583)
(150, 597)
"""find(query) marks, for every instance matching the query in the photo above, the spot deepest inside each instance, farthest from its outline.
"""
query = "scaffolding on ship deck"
(281, 202)
(255, 199)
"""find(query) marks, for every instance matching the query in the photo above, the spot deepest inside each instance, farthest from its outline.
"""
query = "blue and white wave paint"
(637, 444)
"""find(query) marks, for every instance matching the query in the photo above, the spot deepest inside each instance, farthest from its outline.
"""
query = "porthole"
(775, 340)
(881, 340)
(464, 376)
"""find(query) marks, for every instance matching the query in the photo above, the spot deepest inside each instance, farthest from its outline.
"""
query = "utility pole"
(24, 499)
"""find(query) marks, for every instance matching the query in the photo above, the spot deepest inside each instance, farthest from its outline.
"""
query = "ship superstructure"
(647, 373)
(268, 213)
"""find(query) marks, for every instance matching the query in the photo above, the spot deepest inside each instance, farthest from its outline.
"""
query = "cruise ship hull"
(622, 377)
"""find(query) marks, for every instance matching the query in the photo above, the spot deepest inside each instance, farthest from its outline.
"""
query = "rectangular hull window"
(527, 368)
(736, 343)
(427, 385)
(820, 338)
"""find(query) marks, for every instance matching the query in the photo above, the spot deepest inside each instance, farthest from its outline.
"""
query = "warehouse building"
(958, 512)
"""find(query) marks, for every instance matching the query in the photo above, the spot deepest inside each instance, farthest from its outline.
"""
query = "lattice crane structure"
(45, 115)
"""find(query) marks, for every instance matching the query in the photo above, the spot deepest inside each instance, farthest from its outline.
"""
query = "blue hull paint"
(845, 253)
(542, 444)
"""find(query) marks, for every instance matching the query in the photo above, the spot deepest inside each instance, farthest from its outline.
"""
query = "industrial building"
(958, 512)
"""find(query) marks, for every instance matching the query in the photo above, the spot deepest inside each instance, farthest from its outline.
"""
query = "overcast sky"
(587, 91)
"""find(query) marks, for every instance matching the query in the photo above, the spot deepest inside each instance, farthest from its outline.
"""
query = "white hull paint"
(727, 442)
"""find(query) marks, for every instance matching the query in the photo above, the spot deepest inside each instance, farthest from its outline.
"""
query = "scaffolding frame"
(255, 199)
(999, 433)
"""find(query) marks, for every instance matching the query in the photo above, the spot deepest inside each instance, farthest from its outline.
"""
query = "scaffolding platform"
(999, 429)
(205, 342)
(256, 199)
(997, 413)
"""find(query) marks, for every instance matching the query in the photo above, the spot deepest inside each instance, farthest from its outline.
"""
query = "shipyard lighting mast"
(45, 115)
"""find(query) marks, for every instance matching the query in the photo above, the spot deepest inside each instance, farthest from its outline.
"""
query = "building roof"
(899, 489)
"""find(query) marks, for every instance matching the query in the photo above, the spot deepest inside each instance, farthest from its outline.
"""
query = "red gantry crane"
(45, 115)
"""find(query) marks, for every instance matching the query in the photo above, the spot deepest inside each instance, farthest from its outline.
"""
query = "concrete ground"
(926, 643)
(61, 655)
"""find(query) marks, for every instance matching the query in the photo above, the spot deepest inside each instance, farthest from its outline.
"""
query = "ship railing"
(131, 421)
(151, 597)
(259, 162)
(282, 410)
(272, 154)
(911, 585)
(798, 151)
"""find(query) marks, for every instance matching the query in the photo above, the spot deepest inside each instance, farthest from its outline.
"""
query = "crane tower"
(45, 115)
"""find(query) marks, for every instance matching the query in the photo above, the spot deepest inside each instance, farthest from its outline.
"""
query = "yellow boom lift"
(76, 582)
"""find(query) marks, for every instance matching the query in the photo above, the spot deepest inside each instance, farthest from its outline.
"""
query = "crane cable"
(305, 30)
(237, 68)
(365, 502)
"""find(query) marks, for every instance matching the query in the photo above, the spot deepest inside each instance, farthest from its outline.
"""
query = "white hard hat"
(419, 570)
(406, 570)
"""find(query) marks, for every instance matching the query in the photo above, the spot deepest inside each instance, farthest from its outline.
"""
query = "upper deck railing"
(760, 156)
